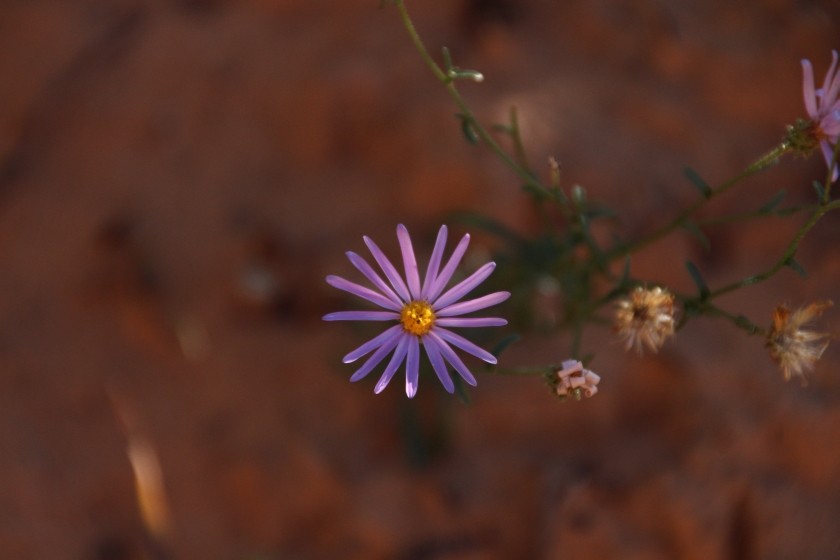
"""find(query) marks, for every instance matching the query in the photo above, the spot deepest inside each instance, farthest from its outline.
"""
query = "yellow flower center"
(417, 317)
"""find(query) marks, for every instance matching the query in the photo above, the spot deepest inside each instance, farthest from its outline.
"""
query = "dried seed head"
(646, 318)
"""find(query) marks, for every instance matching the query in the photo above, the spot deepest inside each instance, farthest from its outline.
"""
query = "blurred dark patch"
(115, 547)
(741, 532)
(655, 423)
(476, 14)
(265, 281)
(199, 7)
(719, 254)
(124, 282)
(439, 547)
(123, 547)
(119, 33)
(125, 266)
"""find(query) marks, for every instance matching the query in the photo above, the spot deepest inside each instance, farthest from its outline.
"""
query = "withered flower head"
(794, 348)
(572, 380)
(645, 318)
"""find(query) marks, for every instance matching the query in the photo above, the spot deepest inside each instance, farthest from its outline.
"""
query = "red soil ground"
(177, 177)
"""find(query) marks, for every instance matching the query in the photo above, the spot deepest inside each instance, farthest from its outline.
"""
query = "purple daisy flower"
(823, 106)
(422, 313)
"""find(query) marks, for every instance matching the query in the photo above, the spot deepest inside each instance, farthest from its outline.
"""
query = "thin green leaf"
(447, 60)
(702, 287)
(697, 233)
(466, 74)
(794, 264)
(698, 182)
(502, 345)
(625, 273)
(461, 390)
(469, 132)
(771, 204)
(820, 188)
(742, 322)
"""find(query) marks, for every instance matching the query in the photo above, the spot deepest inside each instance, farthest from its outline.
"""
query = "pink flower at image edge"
(823, 107)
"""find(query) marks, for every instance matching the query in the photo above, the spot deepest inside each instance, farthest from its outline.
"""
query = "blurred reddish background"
(177, 177)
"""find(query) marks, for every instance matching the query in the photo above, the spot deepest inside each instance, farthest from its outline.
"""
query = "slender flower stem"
(787, 255)
(761, 163)
(738, 320)
(516, 136)
(466, 114)
(581, 273)
(754, 214)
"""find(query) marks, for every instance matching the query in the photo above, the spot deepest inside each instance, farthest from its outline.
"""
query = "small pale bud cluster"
(572, 380)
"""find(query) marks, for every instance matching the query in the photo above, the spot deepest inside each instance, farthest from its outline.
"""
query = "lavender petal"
(471, 305)
(438, 364)
(446, 274)
(451, 357)
(362, 292)
(831, 84)
(412, 367)
(393, 365)
(830, 124)
(382, 339)
(376, 357)
(363, 267)
(388, 268)
(463, 288)
(828, 154)
(465, 345)
(434, 262)
(361, 316)
(468, 322)
(412, 275)
(808, 89)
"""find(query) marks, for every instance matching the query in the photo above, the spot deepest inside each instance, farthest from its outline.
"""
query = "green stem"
(754, 214)
(787, 255)
(466, 114)
(761, 163)
(738, 320)
(518, 146)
